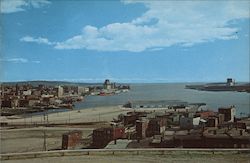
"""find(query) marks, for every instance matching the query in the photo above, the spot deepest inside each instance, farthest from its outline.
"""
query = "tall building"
(107, 84)
(230, 82)
(60, 91)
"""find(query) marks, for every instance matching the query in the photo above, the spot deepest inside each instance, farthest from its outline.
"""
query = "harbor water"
(214, 100)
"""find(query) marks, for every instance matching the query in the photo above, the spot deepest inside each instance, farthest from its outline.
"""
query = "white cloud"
(18, 60)
(36, 61)
(164, 24)
(14, 60)
(11, 6)
(39, 40)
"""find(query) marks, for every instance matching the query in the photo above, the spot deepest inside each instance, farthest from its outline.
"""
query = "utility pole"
(44, 141)
(44, 132)
(45, 118)
(69, 117)
(25, 118)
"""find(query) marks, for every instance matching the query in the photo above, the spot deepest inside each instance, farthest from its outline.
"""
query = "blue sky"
(125, 41)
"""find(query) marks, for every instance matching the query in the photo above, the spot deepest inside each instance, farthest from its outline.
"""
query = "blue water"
(214, 100)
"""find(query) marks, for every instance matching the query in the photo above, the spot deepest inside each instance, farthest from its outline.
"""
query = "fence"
(145, 151)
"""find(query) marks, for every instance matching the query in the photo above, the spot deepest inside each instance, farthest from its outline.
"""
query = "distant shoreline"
(100, 83)
(217, 87)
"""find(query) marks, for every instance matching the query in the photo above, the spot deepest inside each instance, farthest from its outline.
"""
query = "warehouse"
(156, 104)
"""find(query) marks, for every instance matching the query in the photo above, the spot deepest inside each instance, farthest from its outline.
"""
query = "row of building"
(178, 128)
(27, 96)
(20, 97)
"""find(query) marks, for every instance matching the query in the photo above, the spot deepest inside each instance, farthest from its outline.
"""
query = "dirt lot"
(32, 139)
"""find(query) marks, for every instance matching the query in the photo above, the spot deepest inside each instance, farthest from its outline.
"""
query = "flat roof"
(159, 102)
(120, 144)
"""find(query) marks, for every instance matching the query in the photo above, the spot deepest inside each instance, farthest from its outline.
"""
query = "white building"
(82, 90)
(26, 93)
(60, 91)
(189, 122)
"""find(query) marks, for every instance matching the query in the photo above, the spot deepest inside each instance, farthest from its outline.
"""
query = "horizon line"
(136, 82)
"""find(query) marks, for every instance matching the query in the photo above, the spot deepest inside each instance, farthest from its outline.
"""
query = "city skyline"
(124, 41)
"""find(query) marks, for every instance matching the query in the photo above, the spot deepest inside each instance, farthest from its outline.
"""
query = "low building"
(221, 118)
(156, 126)
(6, 103)
(34, 102)
(186, 123)
(130, 119)
(234, 138)
(189, 123)
(102, 136)
(82, 90)
(28, 92)
(141, 127)
(229, 113)
(174, 119)
(212, 122)
(23, 103)
(71, 139)
(171, 104)
(205, 114)
(37, 92)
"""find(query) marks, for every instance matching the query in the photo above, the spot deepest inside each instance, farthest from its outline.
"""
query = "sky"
(124, 41)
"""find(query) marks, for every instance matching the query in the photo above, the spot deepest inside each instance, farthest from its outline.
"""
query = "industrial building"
(156, 104)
